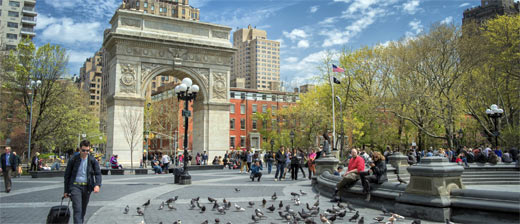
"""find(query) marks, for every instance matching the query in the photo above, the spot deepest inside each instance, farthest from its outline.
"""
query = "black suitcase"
(59, 214)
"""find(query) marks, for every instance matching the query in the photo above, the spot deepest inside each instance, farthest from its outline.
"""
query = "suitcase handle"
(68, 203)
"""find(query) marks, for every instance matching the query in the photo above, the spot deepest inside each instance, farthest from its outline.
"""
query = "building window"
(274, 108)
(145, 4)
(14, 4)
(232, 141)
(232, 124)
(12, 25)
(254, 124)
(242, 95)
(264, 97)
(242, 109)
(153, 8)
(232, 94)
(232, 109)
(242, 141)
(13, 14)
(183, 11)
(264, 108)
(243, 124)
(137, 3)
(254, 108)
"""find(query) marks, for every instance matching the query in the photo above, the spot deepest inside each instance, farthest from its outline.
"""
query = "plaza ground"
(31, 199)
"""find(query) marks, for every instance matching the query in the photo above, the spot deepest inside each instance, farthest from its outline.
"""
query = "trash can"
(177, 173)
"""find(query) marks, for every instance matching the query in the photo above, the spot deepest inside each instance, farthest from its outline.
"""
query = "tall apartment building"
(17, 21)
(489, 9)
(172, 8)
(90, 80)
(257, 59)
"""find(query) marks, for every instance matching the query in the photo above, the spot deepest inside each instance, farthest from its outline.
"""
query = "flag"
(335, 80)
(337, 69)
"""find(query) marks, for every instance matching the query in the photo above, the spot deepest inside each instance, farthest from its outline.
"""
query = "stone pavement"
(31, 199)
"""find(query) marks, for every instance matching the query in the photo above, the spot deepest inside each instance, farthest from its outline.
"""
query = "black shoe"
(8, 190)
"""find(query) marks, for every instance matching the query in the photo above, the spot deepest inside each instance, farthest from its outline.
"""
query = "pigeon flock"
(292, 212)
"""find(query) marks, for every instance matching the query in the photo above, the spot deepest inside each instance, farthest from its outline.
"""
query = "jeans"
(366, 179)
(294, 171)
(166, 167)
(279, 170)
(157, 169)
(269, 167)
(259, 175)
(80, 197)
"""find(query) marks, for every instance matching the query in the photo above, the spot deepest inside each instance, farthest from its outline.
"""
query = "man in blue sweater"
(255, 171)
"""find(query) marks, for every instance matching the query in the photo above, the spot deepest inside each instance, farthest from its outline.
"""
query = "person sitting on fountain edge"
(378, 170)
(356, 165)
(255, 170)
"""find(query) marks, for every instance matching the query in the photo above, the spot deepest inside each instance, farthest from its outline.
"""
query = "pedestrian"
(166, 162)
(243, 161)
(35, 162)
(9, 165)
(295, 163)
(269, 158)
(204, 158)
(280, 163)
(311, 163)
(249, 159)
(82, 177)
(301, 158)
(198, 158)
(255, 171)
(19, 171)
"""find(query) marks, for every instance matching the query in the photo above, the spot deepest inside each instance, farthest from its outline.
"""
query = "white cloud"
(464, 5)
(44, 21)
(411, 7)
(94, 8)
(416, 28)
(295, 34)
(239, 17)
(199, 3)
(303, 44)
(447, 20)
(79, 56)
(67, 31)
(360, 5)
(338, 37)
(309, 62)
(314, 9)
(329, 20)
(291, 59)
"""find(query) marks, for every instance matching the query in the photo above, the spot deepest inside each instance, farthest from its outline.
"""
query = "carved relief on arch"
(128, 78)
(219, 85)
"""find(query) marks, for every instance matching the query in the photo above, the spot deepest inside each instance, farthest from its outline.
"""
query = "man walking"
(280, 158)
(9, 165)
(81, 178)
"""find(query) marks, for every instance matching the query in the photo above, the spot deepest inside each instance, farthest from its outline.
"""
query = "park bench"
(47, 173)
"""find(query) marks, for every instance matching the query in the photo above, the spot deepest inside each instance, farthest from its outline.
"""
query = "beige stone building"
(257, 59)
(90, 80)
(17, 21)
(171, 8)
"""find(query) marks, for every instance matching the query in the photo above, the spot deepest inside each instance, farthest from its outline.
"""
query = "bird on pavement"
(254, 218)
(205, 222)
(203, 209)
(177, 222)
(397, 217)
(227, 206)
(297, 201)
(302, 192)
(237, 190)
(259, 213)
(224, 201)
(161, 206)
(323, 219)
(342, 214)
(401, 181)
(146, 203)
(303, 214)
(264, 202)
(251, 204)
(294, 194)
(195, 199)
(238, 208)
(309, 221)
(281, 214)
(340, 205)
(271, 208)
(127, 208)
(350, 208)
(215, 205)
(171, 200)
(361, 220)
(416, 221)
(379, 218)
(221, 210)
(211, 200)
(385, 212)
(315, 212)
(332, 218)
(217, 220)
(170, 206)
(139, 211)
(274, 196)
(355, 217)
(317, 203)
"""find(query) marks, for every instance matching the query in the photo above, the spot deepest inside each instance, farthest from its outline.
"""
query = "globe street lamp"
(187, 92)
(292, 139)
(495, 113)
(32, 85)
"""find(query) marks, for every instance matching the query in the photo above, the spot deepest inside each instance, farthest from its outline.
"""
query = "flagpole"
(333, 114)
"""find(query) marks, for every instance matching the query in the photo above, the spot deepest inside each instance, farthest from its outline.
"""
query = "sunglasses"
(88, 150)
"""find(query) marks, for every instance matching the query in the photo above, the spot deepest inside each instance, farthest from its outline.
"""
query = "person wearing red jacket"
(356, 165)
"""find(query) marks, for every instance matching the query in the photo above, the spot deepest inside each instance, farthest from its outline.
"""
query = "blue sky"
(306, 28)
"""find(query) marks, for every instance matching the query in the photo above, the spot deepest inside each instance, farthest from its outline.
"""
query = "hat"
(340, 167)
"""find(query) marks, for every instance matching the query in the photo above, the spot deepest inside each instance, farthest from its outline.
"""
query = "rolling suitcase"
(59, 214)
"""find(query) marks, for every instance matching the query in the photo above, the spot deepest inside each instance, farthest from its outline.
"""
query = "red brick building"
(244, 128)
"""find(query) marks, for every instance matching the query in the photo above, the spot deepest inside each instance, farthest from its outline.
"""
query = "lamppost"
(187, 92)
(147, 134)
(32, 85)
(342, 131)
(495, 113)
(292, 139)
(272, 144)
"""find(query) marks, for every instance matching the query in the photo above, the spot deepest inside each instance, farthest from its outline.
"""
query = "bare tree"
(132, 121)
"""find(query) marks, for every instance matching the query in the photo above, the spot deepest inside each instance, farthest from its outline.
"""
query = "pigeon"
(355, 217)
(240, 209)
(416, 221)
(139, 211)
(215, 206)
(340, 205)
(397, 217)
(361, 220)
(264, 202)
(379, 218)
(228, 205)
(274, 196)
(170, 206)
(297, 201)
(309, 221)
(271, 208)
(177, 222)
(281, 214)
(287, 208)
(385, 212)
(192, 205)
(205, 222)
(342, 214)
(127, 208)
(332, 218)
(303, 215)
(161, 206)
(280, 206)
(211, 200)
(224, 201)
(317, 203)
(203, 209)
(237, 190)
(171, 200)
(323, 219)
(259, 213)
(401, 181)
(350, 208)
(198, 205)
(195, 199)
(302, 193)
(221, 210)
(254, 218)
(391, 220)
(315, 212)
(146, 203)
(217, 220)
(294, 194)
(251, 204)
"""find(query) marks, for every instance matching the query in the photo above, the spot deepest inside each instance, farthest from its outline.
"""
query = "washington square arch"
(139, 47)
